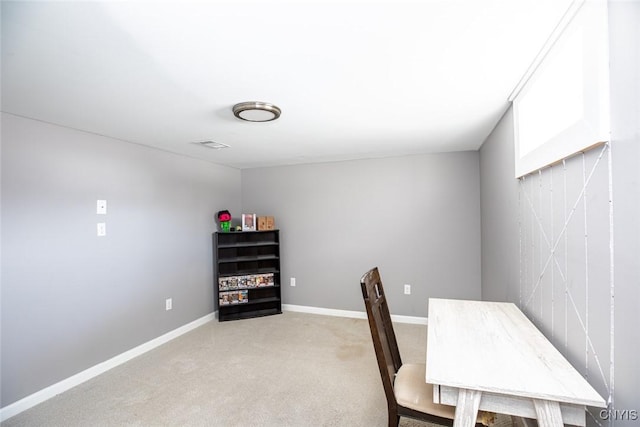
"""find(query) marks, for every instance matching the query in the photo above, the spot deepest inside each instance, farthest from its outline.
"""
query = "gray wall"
(625, 129)
(416, 218)
(586, 298)
(71, 300)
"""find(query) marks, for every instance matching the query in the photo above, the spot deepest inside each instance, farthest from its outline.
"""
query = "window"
(563, 108)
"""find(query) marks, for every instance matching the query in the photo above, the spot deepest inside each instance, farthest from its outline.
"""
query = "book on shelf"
(234, 297)
(243, 296)
(246, 282)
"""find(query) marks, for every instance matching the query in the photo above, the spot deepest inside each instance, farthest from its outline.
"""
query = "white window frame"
(586, 21)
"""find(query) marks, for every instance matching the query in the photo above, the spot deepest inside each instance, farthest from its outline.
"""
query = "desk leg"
(436, 393)
(467, 408)
(548, 413)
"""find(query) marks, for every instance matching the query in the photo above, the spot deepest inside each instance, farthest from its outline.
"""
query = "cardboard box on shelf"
(266, 223)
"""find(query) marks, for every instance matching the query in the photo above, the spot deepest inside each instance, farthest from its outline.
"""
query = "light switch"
(101, 208)
(102, 229)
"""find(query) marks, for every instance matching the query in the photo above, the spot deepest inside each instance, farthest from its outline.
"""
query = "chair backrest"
(384, 338)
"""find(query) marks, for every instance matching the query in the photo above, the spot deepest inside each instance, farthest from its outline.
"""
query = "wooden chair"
(408, 395)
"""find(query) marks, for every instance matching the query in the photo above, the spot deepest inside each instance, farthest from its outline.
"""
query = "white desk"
(489, 356)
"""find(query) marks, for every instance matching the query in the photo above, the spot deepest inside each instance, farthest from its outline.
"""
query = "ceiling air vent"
(212, 144)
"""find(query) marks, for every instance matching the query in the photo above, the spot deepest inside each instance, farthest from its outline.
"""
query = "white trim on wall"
(352, 314)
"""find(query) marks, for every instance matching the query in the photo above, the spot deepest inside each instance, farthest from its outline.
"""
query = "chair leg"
(394, 420)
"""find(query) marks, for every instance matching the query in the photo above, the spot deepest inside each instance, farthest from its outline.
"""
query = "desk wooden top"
(494, 347)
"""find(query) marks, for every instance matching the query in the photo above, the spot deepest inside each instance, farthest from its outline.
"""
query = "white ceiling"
(354, 79)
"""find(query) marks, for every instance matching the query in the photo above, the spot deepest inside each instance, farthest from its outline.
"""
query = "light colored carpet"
(293, 369)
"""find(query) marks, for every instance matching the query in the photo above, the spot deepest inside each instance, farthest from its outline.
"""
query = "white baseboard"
(77, 379)
(353, 314)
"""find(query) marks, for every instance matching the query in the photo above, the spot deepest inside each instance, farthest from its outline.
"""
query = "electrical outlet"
(102, 229)
(101, 207)
(168, 304)
(292, 281)
(407, 289)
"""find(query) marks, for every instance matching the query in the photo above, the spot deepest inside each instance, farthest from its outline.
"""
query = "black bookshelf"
(247, 274)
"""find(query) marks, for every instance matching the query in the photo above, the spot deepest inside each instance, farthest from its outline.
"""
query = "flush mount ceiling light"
(256, 111)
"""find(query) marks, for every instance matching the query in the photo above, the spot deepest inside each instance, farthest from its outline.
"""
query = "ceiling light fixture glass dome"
(255, 111)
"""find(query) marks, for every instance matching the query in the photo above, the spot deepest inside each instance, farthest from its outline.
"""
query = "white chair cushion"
(413, 392)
